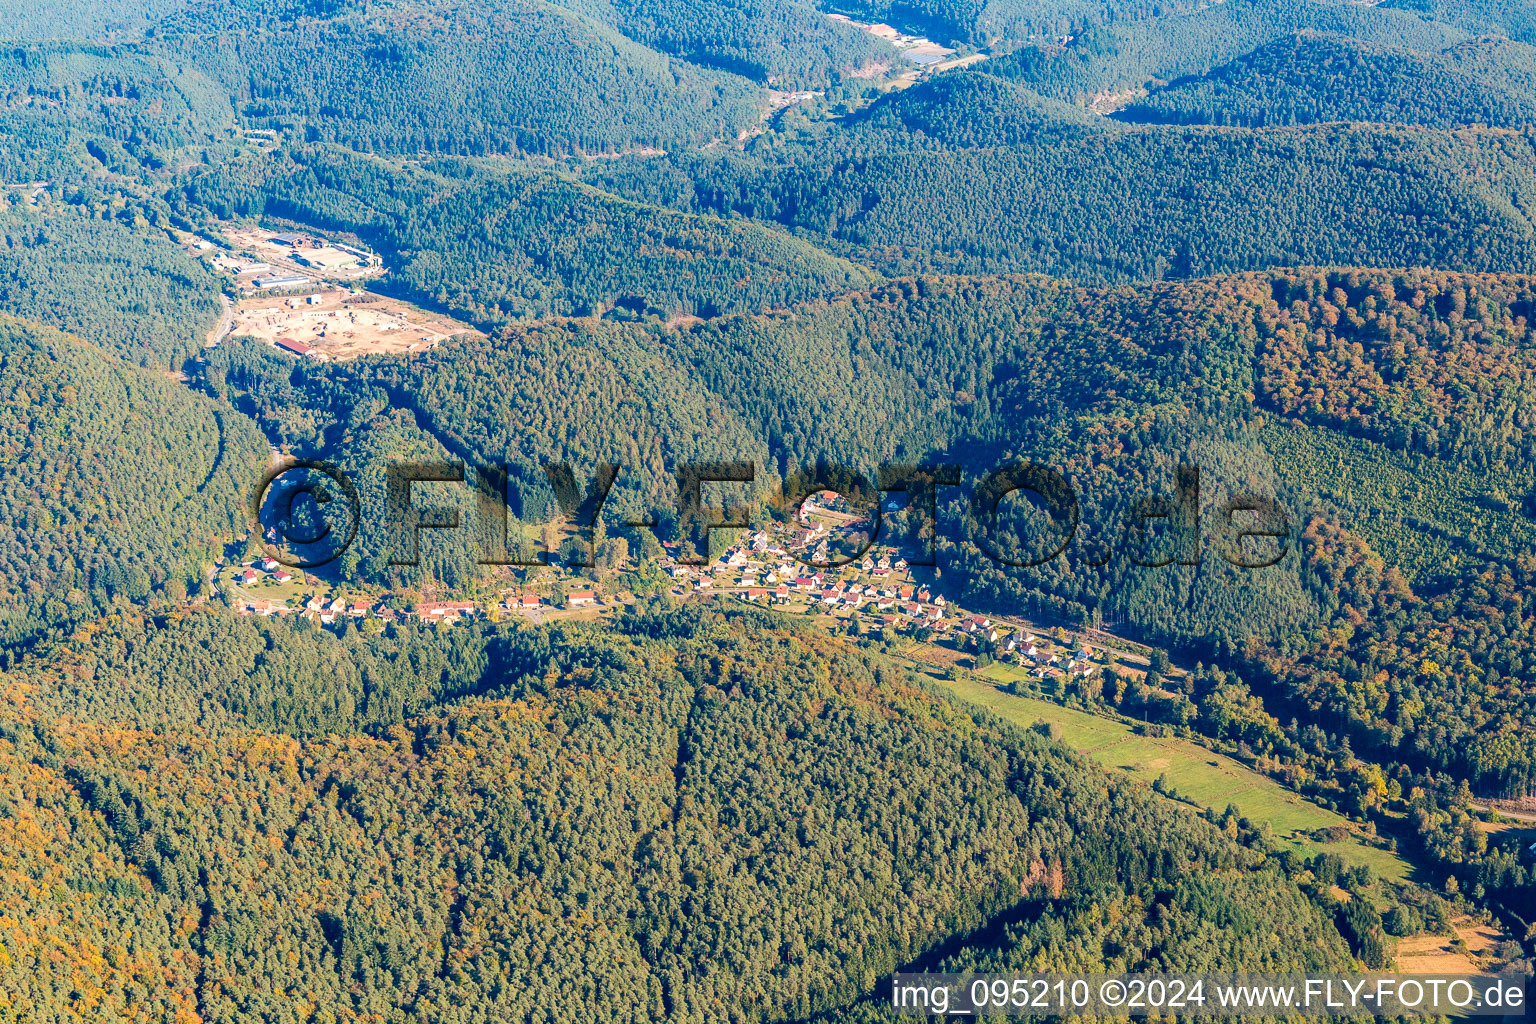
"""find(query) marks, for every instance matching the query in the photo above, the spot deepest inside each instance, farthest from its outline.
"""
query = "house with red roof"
(439, 610)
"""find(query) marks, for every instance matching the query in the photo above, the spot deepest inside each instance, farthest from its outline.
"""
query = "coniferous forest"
(1278, 252)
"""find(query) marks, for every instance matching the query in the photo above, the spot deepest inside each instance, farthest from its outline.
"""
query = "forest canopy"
(636, 806)
(116, 480)
(1205, 266)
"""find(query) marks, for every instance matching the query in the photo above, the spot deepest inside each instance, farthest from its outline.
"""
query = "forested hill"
(1126, 55)
(67, 109)
(84, 19)
(493, 246)
(506, 77)
(105, 269)
(610, 818)
(919, 365)
(1513, 18)
(116, 480)
(1119, 204)
(512, 76)
(787, 42)
(1308, 79)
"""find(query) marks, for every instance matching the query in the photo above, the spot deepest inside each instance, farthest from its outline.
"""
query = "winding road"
(226, 322)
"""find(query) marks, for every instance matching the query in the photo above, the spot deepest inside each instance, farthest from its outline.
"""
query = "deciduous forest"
(1278, 252)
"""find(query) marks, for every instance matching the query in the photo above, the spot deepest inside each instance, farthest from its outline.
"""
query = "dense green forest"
(1105, 203)
(1513, 18)
(68, 110)
(515, 76)
(404, 77)
(1126, 55)
(104, 268)
(493, 246)
(1420, 512)
(1309, 79)
(84, 19)
(1419, 361)
(116, 480)
(786, 41)
(687, 817)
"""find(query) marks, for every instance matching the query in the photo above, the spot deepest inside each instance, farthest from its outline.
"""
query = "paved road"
(225, 325)
(1525, 816)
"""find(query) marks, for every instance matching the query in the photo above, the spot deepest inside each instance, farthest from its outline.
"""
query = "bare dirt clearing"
(338, 325)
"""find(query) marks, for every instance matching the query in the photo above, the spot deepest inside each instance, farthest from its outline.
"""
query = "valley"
(799, 493)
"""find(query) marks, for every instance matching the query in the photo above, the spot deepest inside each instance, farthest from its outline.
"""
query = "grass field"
(266, 590)
(1211, 779)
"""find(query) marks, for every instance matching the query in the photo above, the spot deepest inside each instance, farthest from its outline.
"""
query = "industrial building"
(281, 281)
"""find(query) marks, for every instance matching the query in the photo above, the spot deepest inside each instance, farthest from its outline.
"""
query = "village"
(1045, 677)
(266, 587)
(786, 566)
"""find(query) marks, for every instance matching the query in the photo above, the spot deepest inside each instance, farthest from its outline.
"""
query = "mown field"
(1209, 778)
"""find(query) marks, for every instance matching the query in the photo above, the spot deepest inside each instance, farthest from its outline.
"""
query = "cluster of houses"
(813, 537)
(267, 569)
(1026, 651)
(437, 611)
(759, 570)
(839, 593)
(336, 609)
(758, 560)
(324, 610)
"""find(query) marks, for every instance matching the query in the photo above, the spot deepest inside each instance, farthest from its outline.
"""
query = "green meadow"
(1204, 776)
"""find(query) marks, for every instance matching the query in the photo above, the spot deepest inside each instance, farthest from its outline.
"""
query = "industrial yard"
(338, 325)
(302, 293)
(259, 260)
(304, 253)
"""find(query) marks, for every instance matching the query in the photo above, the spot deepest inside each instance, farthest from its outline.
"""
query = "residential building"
(438, 610)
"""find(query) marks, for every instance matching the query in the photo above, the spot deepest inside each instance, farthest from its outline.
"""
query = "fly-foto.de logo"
(309, 512)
